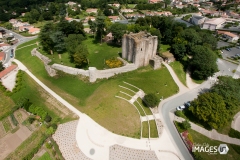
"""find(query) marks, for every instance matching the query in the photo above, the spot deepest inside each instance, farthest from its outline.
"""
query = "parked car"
(187, 104)
(180, 108)
(238, 47)
(11, 55)
(237, 55)
(228, 49)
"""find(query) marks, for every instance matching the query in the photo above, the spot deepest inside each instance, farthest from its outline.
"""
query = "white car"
(180, 108)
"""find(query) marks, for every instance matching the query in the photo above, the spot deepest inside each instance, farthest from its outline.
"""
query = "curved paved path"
(91, 136)
(236, 122)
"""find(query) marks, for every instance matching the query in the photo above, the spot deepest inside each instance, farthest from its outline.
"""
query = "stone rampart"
(70, 70)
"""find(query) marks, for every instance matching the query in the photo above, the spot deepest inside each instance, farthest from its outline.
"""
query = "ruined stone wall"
(70, 70)
(139, 48)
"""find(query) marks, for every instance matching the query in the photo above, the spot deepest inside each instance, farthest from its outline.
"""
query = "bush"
(54, 126)
(114, 63)
(189, 136)
(48, 118)
(31, 120)
(234, 133)
(48, 145)
(151, 100)
(236, 148)
(179, 114)
(186, 124)
(14, 121)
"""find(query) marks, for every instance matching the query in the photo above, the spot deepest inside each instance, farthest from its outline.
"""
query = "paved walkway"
(190, 82)
(95, 141)
(213, 134)
(236, 122)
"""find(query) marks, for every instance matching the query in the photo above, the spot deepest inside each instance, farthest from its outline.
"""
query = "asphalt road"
(21, 39)
(171, 105)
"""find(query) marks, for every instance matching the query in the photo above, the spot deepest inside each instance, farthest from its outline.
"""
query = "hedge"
(14, 120)
(236, 148)
(234, 133)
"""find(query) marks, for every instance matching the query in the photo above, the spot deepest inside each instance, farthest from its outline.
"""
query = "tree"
(100, 26)
(72, 41)
(8, 25)
(229, 89)
(80, 56)
(210, 108)
(151, 100)
(118, 30)
(179, 51)
(203, 63)
(92, 26)
(1, 67)
(166, 2)
(186, 124)
(48, 118)
(58, 41)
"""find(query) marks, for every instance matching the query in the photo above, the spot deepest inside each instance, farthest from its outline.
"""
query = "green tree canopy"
(1, 67)
(80, 56)
(203, 63)
(151, 100)
(118, 31)
(210, 108)
(179, 51)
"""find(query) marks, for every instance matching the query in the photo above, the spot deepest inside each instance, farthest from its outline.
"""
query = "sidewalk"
(213, 134)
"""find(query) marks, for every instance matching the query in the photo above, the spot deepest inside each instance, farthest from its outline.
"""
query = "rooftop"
(7, 70)
(215, 21)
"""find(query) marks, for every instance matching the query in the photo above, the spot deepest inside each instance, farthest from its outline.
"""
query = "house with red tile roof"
(92, 10)
(6, 71)
(228, 35)
(4, 46)
(114, 18)
(34, 30)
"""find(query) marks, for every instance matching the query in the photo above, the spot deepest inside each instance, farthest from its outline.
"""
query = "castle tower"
(139, 48)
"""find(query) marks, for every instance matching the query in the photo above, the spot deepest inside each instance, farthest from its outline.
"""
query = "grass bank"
(179, 70)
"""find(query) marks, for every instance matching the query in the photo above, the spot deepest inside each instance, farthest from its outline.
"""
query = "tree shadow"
(193, 119)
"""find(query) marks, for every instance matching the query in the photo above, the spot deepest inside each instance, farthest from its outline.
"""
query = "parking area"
(222, 44)
(232, 52)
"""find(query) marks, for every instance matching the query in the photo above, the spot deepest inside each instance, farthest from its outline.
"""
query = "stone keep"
(139, 48)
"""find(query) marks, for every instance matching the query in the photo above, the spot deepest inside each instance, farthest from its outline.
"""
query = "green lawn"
(153, 129)
(6, 124)
(145, 129)
(179, 70)
(198, 81)
(6, 105)
(144, 106)
(99, 53)
(41, 24)
(112, 113)
(131, 6)
(199, 138)
(45, 156)
(164, 48)
(139, 109)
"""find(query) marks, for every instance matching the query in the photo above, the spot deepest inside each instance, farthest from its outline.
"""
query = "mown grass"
(98, 99)
(164, 48)
(139, 109)
(179, 70)
(200, 139)
(6, 124)
(99, 53)
(45, 156)
(153, 129)
(6, 105)
(145, 129)
(144, 106)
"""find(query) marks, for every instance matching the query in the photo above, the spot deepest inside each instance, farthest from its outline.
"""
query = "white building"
(197, 20)
(230, 36)
(213, 24)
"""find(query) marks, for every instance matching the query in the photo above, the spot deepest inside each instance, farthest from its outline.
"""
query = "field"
(98, 99)
(179, 70)
(23, 150)
(6, 105)
(145, 129)
(98, 53)
(6, 124)
(45, 156)
(164, 48)
(153, 129)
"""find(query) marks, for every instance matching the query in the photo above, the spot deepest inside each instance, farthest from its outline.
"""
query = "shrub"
(236, 148)
(114, 63)
(234, 133)
(179, 114)
(151, 100)
(14, 121)
(48, 118)
(31, 120)
(189, 136)
(48, 145)
(54, 126)
(186, 124)
(53, 152)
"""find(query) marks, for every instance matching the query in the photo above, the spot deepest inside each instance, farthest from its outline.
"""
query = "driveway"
(232, 52)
